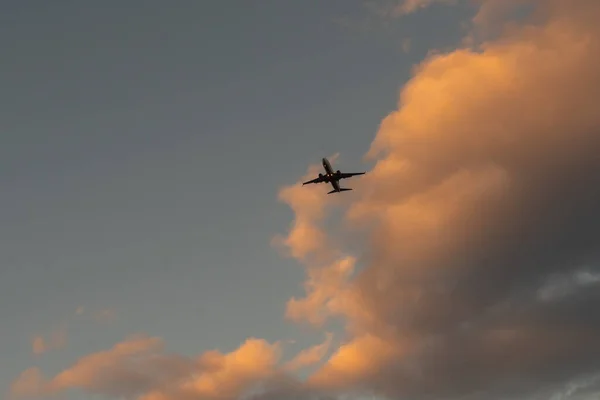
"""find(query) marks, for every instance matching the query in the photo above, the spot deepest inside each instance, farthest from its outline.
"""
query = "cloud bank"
(469, 265)
(481, 200)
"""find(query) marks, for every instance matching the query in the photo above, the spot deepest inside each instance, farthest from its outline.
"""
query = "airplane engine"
(321, 176)
(338, 172)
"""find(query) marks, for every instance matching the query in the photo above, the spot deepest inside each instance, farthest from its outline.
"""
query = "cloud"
(103, 315)
(481, 213)
(350, 362)
(493, 17)
(139, 367)
(586, 388)
(225, 376)
(121, 369)
(323, 286)
(395, 9)
(306, 235)
(57, 339)
(106, 315)
(29, 384)
(124, 369)
(328, 267)
(310, 356)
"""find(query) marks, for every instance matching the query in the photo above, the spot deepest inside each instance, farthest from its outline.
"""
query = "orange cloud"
(31, 383)
(117, 370)
(482, 189)
(350, 362)
(38, 345)
(310, 356)
(324, 285)
(328, 267)
(138, 367)
(104, 369)
(306, 238)
(225, 376)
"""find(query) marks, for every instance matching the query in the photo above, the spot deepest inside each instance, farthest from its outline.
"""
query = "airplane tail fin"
(341, 190)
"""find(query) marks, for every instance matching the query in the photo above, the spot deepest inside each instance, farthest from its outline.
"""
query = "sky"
(156, 243)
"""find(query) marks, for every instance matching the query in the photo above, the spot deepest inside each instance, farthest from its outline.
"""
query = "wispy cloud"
(399, 8)
(106, 315)
(57, 338)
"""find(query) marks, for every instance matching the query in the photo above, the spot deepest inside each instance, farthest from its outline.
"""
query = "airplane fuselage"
(327, 166)
(330, 175)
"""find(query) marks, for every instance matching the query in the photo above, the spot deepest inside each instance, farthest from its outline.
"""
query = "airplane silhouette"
(333, 177)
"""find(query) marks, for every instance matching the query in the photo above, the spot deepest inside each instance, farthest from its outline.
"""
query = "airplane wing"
(345, 175)
(316, 180)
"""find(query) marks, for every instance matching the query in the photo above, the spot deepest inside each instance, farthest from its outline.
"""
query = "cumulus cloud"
(328, 267)
(310, 356)
(481, 213)
(139, 367)
(224, 376)
(124, 369)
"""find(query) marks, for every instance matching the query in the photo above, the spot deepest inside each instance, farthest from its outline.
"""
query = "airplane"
(333, 177)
